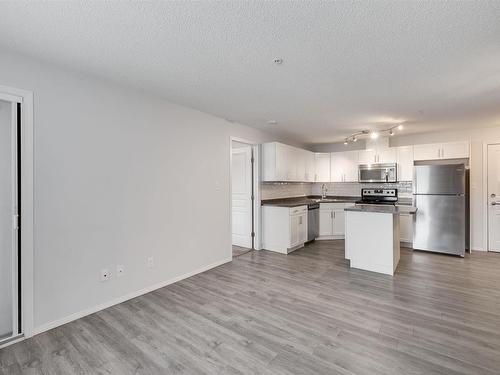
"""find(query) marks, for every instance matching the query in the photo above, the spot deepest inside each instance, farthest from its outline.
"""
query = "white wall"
(119, 176)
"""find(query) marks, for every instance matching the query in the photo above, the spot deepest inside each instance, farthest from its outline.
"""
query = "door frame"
(486, 216)
(25, 97)
(257, 241)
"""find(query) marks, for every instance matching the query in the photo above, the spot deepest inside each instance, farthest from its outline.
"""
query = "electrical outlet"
(151, 262)
(120, 270)
(105, 275)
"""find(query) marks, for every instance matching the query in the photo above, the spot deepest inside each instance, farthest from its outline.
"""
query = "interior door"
(9, 297)
(241, 178)
(494, 198)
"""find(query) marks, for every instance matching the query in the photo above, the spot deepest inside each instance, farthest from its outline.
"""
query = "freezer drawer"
(440, 224)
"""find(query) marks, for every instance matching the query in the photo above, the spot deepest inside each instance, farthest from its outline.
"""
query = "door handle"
(495, 203)
(493, 195)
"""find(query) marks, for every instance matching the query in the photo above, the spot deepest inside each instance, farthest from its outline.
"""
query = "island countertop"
(389, 209)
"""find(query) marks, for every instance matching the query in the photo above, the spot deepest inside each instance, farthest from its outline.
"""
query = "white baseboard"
(105, 305)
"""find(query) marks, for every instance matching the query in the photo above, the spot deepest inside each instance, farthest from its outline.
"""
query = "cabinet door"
(427, 152)
(339, 222)
(351, 166)
(300, 164)
(310, 166)
(302, 228)
(322, 167)
(455, 150)
(405, 163)
(406, 228)
(282, 162)
(294, 230)
(325, 222)
(337, 163)
(367, 157)
(387, 155)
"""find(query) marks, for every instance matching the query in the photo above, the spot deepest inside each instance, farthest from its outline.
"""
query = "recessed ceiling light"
(272, 122)
(278, 61)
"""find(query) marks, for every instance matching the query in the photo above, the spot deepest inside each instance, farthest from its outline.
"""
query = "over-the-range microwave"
(378, 172)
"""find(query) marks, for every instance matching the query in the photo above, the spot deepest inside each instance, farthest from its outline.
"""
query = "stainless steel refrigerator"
(442, 200)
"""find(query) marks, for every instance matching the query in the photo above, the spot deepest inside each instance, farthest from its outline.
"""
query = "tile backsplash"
(274, 190)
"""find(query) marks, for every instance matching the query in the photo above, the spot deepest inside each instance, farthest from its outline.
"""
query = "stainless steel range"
(378, 196)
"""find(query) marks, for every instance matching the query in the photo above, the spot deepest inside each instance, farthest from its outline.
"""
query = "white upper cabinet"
(456, 150)
(404, 157)
(310, 166)
(367, 157)
(322, 167)
(344, 166)
(281, 162)
(386, 155)
(453, 150)
(377, 156)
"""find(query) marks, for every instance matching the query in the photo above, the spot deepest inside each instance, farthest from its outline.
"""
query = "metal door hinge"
(252, 159)
(253, 234)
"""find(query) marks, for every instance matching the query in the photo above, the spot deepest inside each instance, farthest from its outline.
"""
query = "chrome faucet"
(324, 189)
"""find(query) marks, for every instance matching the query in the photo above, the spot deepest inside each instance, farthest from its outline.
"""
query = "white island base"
(372, 241)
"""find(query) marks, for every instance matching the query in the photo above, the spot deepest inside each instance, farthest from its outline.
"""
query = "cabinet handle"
(331, 214)
(334, 214)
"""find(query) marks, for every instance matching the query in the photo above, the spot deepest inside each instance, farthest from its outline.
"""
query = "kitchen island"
(372, 236)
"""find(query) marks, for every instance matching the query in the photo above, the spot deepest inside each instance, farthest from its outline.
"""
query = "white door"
(455, 150)
(241, 186)
(8, 209)
(494, 198)
(322, 167)
(427, 152)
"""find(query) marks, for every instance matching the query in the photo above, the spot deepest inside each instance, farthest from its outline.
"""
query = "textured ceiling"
(347, 66)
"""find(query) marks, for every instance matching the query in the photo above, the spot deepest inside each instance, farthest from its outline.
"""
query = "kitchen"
(378, 182)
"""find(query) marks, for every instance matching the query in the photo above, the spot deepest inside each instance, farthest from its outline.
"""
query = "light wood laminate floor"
(238, 250)
(305, 313)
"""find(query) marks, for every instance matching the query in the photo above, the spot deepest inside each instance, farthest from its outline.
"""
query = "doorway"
(10, 232)
(493, 198)
(242, 197)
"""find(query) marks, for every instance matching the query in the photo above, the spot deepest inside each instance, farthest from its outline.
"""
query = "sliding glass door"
(10, 325)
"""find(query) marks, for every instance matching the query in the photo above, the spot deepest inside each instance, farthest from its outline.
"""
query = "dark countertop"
(395, 210)
(300, 201)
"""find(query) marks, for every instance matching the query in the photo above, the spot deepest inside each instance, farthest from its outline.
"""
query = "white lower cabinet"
(406, 228)
(332, 220)
(284, 229)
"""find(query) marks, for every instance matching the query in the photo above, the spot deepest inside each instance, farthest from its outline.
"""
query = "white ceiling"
(347, 66)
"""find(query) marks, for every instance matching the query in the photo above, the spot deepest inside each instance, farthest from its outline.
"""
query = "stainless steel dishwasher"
(312, 221)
